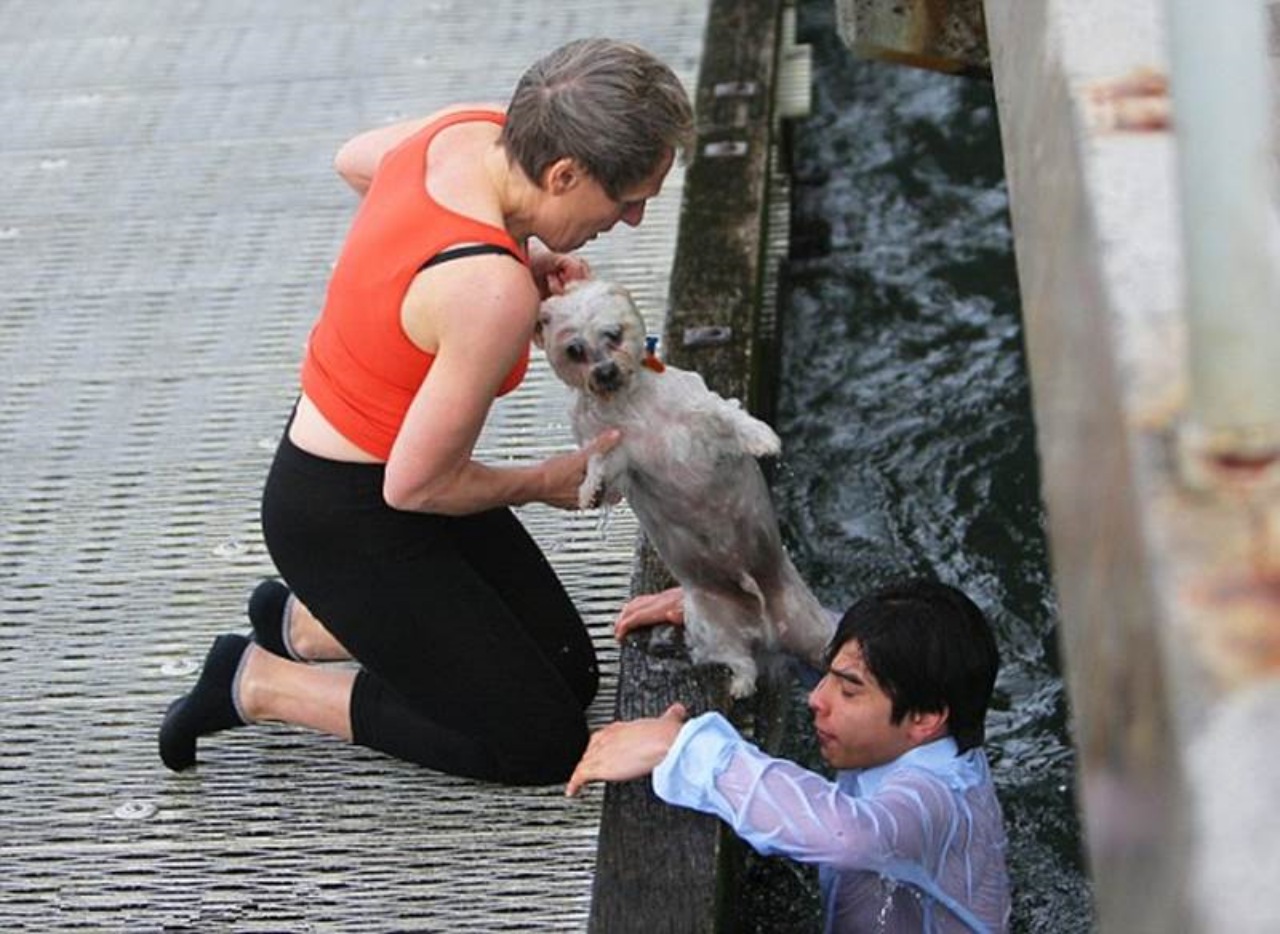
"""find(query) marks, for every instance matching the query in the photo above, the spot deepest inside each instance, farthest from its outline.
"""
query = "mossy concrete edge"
(660, 868)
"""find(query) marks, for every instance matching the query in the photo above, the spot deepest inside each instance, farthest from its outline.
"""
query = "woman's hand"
(553, 271)
(649, 610)
(627, 749)
(563, 474)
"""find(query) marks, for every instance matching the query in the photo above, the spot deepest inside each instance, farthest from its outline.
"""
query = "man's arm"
(780, 807)
(627, 749)
(650, 609)
(775, 805)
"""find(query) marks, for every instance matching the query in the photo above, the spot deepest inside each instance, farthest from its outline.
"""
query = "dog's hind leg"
(743, 681)
(719, 632)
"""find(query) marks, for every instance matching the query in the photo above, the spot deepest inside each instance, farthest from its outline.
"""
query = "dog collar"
(651, 356)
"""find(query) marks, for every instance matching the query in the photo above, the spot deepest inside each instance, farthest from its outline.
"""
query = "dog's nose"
(606, 377)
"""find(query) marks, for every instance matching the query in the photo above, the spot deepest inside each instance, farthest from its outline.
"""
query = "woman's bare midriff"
(312, 432)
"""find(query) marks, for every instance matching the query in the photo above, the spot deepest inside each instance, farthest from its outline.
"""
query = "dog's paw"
(758, 439)
(589, 495)
(742, 684)
(596, 489)
(742, 673)
(592, 484)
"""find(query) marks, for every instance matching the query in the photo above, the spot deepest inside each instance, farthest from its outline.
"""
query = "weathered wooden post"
(660, 868)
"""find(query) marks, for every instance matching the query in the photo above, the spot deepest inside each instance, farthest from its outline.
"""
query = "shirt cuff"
(687, 774)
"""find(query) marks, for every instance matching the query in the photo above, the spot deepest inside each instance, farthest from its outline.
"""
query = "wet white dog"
(687, 466)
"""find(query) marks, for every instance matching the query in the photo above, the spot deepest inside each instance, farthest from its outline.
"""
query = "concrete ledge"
(660, 868)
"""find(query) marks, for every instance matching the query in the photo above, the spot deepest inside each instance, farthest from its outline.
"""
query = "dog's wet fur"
(687, 466)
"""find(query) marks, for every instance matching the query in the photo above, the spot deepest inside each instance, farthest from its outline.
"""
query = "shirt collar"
(938, 756)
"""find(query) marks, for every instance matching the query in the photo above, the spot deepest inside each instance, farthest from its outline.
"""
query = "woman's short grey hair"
(613, 107)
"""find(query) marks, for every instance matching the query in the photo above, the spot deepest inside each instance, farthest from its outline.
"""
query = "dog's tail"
(794, 619)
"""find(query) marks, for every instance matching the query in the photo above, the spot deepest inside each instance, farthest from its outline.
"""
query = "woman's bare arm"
(480, 322)
(358, 158)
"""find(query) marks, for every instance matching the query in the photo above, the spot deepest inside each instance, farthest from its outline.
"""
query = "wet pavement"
(168, 221)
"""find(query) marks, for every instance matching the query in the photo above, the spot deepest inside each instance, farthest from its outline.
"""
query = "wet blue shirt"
(916, 844)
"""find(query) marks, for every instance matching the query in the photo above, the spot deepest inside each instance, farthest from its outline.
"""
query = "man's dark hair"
(930, 649)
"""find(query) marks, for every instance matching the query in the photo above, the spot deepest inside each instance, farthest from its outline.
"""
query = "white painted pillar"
(1222, 93)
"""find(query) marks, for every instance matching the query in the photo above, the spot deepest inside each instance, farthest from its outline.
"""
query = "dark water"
(906, 422)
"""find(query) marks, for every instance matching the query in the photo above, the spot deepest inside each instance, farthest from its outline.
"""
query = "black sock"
(267, 607)
(209, 707)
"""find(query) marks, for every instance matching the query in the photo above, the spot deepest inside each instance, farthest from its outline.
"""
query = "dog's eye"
(575, 351)
(613, 336)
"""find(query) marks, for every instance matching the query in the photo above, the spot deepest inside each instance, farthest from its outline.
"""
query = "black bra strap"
(461, 252)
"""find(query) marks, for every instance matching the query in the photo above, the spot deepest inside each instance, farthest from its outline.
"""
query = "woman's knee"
(550, 754)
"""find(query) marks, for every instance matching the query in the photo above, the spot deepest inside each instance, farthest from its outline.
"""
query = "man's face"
(851, 715)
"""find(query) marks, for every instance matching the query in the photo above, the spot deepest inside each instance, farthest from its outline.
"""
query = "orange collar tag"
(651, 356)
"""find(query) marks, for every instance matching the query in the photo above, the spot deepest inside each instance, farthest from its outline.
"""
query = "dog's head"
(593, 335)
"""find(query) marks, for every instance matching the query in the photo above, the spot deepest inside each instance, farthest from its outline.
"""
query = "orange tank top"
(360, 368)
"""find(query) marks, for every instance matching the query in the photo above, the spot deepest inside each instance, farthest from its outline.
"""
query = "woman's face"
(580, 210)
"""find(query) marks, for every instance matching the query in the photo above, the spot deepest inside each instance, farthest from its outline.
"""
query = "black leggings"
(474, 661)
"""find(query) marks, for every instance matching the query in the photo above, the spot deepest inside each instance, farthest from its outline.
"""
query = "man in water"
(909, 836)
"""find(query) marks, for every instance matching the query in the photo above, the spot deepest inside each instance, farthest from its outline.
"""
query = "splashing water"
(905, 417)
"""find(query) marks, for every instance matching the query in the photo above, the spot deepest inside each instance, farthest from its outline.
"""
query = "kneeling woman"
(395, 546)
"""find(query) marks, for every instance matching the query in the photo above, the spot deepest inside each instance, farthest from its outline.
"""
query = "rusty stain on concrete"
(1136, 102)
